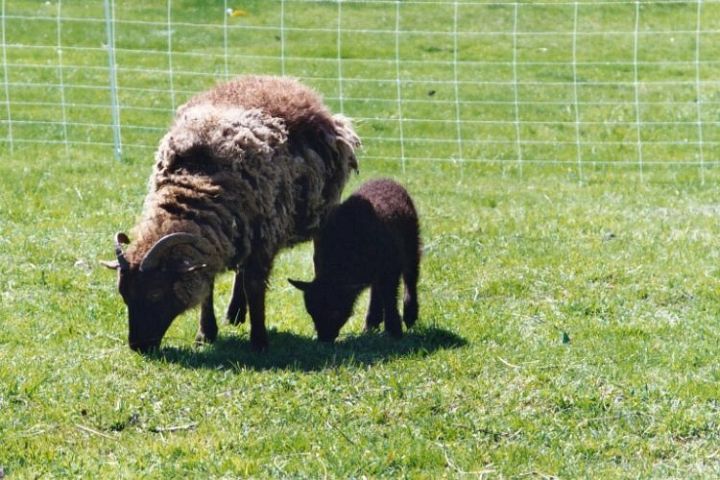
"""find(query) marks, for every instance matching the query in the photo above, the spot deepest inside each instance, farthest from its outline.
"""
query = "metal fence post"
(114, 103)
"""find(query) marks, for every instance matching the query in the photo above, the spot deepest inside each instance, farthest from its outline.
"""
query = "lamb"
(372, 238)
(248, 168)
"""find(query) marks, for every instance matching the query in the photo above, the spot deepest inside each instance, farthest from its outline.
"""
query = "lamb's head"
(329, 304)
(171, 277)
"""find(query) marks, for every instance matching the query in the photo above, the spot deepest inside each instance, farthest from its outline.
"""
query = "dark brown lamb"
(247, 168)
(372, 238)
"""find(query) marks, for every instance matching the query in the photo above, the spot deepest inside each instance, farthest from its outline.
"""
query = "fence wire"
(540, 83)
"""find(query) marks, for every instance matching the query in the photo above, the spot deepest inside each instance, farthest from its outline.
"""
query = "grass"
(567, 329)
(568, 323)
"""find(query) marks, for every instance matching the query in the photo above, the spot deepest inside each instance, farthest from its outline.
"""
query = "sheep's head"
(171, 278)
(330, 305)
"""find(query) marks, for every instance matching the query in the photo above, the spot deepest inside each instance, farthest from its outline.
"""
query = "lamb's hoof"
(203, 338)
(371, 325)
(394, 331)
(410, 314)
(235, 318)
(259, 345)
(327, 340)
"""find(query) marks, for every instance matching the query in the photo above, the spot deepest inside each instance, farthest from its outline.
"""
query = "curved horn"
(153, 257)
(120, 240)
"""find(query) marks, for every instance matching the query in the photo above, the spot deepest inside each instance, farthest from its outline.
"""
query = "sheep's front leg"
(255, 285)
(208, 326)
(238, 302)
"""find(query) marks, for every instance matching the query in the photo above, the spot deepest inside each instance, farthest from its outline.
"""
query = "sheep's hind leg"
(410, 299)
(238, 302)
(393, 324)
(208, 326)
(374, 316)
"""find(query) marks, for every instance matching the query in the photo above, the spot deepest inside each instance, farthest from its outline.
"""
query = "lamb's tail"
(347, 141)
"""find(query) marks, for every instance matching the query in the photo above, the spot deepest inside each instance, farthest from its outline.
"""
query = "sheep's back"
(300, 107)
(254, 164)
(227, 167)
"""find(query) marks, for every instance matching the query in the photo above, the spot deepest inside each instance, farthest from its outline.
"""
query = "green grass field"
(568, 323)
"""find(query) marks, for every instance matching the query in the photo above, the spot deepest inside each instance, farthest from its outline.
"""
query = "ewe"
(248, 168)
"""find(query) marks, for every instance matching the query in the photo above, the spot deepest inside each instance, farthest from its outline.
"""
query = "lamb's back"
(390, 201)
(367, 233)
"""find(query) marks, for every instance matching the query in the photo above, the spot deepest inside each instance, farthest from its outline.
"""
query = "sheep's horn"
(120, 240)
(153, 257)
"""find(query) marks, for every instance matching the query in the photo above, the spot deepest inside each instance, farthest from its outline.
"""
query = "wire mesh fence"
(517, 83)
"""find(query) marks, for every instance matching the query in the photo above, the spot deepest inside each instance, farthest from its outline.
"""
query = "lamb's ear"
(299, 284)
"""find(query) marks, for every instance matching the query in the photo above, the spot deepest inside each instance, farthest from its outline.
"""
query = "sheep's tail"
(347, 141)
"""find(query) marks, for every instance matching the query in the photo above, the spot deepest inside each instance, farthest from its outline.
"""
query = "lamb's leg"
(375, 311)
(208, 326)
(389, 292)
(410, 300)
(238, 302)
(255, 285)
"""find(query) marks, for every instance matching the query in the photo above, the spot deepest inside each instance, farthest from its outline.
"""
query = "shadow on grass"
(294, 352)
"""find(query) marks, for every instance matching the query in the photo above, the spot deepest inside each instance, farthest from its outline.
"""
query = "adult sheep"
(248, 168)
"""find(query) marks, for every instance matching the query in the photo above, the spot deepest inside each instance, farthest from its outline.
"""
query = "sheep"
(248, 168)
(372, 238)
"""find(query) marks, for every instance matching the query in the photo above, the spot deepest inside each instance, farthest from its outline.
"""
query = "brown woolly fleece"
(252, 165)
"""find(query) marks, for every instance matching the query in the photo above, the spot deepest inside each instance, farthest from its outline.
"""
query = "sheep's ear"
(299, 284)
(111, 264)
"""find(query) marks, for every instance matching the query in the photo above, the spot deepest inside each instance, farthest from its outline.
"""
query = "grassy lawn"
(568, 323)
(565, 330)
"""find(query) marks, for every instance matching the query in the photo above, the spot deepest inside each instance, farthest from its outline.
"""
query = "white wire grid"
(576, 83)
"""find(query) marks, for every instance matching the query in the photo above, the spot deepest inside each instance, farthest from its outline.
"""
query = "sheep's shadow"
(295, 352)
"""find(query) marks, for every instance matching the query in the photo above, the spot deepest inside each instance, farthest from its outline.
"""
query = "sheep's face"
(171, 278)
(152, 306)
(329, 305)
(154, 299)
